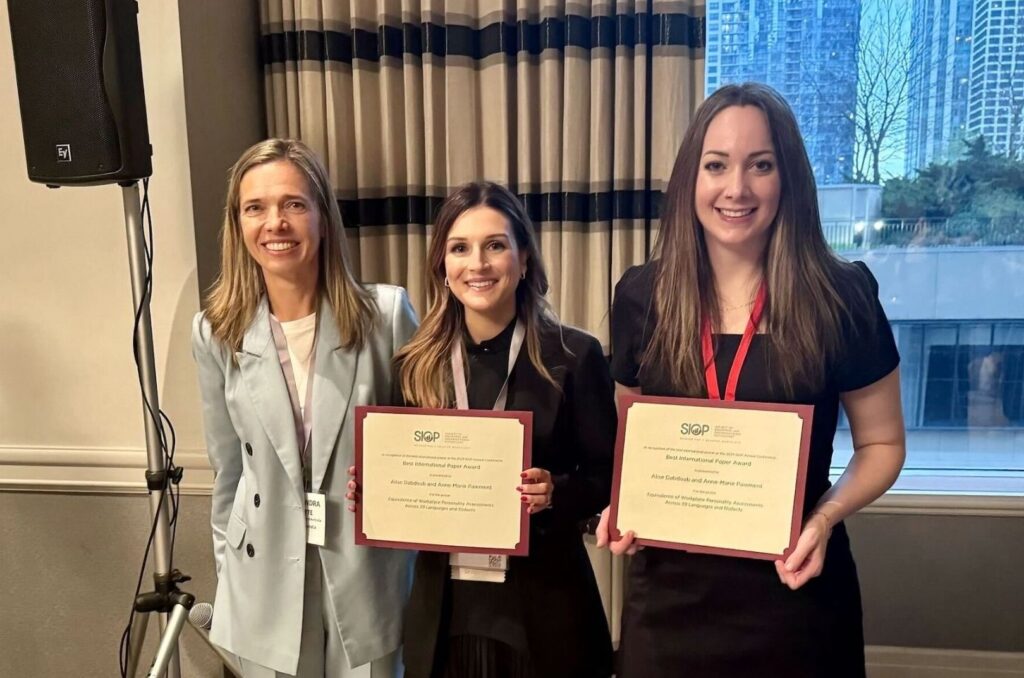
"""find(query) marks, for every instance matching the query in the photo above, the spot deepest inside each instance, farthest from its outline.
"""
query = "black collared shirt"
(549, 607)
(488, 609)
(487, 367)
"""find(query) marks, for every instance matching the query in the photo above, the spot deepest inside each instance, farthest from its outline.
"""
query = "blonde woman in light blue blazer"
(288, 345)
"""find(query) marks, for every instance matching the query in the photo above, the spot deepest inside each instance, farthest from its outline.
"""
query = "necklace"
(747, 304)
(738, 306)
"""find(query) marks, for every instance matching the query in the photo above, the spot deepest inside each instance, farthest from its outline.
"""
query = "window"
(971, 378)
(934, 205)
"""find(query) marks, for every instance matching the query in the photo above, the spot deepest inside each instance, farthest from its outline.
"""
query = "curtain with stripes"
(578, 107)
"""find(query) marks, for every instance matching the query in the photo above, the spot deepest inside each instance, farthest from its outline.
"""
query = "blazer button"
(250, 550)
(248, 449)
(256, 500)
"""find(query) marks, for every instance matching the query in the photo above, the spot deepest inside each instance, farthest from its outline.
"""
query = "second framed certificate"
(442, 480)
(711, 476)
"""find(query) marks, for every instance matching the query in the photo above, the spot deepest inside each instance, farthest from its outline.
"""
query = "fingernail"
(523, 474)
(524, 499)
(519, 488)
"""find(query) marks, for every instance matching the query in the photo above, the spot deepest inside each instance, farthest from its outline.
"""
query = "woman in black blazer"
(488, 285)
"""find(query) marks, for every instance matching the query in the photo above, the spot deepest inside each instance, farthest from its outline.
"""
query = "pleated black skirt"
(479, 657)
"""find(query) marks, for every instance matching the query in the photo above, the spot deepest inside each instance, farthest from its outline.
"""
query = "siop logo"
(694, 429)
(425, 436)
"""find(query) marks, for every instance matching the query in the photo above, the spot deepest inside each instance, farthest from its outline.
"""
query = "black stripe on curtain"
(497, 38)
(578, 207)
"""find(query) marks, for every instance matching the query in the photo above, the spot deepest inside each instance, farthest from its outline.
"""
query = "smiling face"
(280, 221)
(738, 186)
(483, 263)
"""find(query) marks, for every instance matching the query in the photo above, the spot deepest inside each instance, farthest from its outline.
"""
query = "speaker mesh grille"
(58, 52)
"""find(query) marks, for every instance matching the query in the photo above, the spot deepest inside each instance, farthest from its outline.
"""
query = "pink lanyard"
(303, 416)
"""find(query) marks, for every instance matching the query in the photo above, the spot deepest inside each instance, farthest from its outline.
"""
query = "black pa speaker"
(83, 109)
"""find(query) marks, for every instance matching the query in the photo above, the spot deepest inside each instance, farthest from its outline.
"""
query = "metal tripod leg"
(139, 625)
(169, 640)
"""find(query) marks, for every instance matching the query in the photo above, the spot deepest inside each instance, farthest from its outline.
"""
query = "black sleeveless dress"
(694, 615)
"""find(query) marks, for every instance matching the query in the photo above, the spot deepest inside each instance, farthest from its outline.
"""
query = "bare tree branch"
(879, 115)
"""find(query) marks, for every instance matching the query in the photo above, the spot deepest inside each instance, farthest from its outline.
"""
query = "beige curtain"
(579, 107)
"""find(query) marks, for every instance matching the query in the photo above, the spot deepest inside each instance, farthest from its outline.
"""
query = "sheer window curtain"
(579, 107)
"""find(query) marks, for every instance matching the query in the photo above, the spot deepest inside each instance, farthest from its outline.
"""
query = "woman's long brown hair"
(804, 312)
(423, 368)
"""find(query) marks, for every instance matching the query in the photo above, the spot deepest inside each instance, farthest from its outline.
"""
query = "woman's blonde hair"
(423, 364)
(233, 298)
(804, 312)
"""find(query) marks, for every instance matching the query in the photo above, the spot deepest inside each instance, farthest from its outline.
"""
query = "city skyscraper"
(995, 106)
(939, 78)
(806, 49)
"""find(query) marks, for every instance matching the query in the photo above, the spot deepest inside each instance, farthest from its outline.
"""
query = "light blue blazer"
(258, 517)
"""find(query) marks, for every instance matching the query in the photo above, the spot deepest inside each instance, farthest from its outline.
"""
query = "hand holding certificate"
(711, 476)
(442, 480)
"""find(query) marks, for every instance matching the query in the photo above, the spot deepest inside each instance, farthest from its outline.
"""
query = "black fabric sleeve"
(629, 310)
(590, 404)
(869, 348)
(396, 399)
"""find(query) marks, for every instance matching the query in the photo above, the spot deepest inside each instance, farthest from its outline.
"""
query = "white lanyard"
(472, 566)
(459, 369)
(303, 416)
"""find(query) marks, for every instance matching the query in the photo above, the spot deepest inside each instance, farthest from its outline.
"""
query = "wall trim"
(108, 470)
(948, 504)
(922, 662)
(93, 470)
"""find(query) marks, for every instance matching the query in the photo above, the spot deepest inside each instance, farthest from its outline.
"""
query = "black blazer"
(573, 438)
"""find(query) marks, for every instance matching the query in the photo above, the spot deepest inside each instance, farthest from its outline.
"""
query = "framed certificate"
(711, 476)
(442, 480)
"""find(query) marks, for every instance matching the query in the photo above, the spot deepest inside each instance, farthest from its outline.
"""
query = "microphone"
(201, 616)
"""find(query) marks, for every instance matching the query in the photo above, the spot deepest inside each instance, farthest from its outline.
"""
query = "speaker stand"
(166, 597)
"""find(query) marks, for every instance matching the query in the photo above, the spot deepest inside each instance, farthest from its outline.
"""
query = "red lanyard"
(708, 351)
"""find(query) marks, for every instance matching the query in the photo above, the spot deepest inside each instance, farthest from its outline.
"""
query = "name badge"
(478, 567)
(316, 518)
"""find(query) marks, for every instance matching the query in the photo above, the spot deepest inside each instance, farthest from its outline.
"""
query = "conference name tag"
(316, 518)
(479, 567)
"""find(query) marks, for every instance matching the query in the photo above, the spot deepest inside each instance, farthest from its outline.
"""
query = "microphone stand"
(166, 598)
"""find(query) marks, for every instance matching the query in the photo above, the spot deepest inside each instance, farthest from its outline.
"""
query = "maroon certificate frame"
(522, 547)
(804, 412)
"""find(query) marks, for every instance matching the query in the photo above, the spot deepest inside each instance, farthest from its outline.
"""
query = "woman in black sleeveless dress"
(741, 220)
